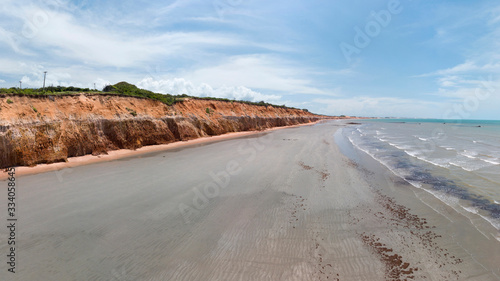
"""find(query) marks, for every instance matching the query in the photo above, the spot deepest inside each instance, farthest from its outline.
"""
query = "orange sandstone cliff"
(47, 129)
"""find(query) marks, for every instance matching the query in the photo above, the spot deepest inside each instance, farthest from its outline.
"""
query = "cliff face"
(49, 129)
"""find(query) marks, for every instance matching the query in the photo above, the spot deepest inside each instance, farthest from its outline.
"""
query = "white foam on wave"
(360, 148)
(374, 157)
(495, 223)
(412, 153)
(471, 210)
(469, 154)
(454, 203)
(476, 211)
(497, 237)
(414, 183)
(443, 163)
(402, 147)
(446, 199)
(497, 162)
(462, 166)
(470, 166)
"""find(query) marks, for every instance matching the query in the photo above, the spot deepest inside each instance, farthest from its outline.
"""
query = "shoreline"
(124, 153)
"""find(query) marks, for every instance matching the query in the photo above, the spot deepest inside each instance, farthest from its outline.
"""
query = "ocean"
(457, 161)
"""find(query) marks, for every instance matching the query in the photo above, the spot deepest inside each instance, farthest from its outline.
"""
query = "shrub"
(207, 110)
(131, 111)
(34, 109)
(9, 101)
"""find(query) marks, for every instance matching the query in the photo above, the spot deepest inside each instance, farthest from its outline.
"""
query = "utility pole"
(44, 75)
(20, 85)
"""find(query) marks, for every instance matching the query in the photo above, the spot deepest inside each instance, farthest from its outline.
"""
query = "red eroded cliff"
(47, 129)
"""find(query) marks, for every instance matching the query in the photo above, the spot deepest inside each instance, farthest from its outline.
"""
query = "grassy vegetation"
(59, 90)
(126, 89)
(131, 111)
(260, 103)
(122, 88)
(9, 101)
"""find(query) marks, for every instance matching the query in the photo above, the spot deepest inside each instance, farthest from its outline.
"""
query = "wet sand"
(280, 205)
(124, 153)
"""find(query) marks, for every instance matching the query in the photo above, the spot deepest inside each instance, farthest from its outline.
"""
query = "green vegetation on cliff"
(122, 88)
(126, 89)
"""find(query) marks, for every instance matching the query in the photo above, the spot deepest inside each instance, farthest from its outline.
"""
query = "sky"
(380, 58)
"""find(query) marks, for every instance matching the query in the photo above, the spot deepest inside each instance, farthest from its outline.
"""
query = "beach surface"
(290, 204)
(124, 153)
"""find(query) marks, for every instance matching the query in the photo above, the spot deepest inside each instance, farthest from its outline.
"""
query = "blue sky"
(406, 58)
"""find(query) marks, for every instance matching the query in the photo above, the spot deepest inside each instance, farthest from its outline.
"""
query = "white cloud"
(62, 35)
(448, 81)
(12, 40)
(476, 88)
(177, 86)
(377, 107)
(18, 69)
(258, 72)
(170, 7)
(468, 67)
(464, 67)
(101, 47)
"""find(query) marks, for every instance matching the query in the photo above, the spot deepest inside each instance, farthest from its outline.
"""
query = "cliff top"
(120, 89)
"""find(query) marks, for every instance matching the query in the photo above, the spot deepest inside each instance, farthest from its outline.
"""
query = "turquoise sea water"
(458, 161)
(493, 124)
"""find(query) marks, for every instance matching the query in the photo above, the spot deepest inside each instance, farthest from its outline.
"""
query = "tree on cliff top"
(128, 89)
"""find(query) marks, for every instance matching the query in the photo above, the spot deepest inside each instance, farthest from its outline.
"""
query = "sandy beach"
(288, 204)
(124, 153)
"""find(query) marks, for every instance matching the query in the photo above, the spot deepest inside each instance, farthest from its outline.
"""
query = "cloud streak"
(181, 86)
